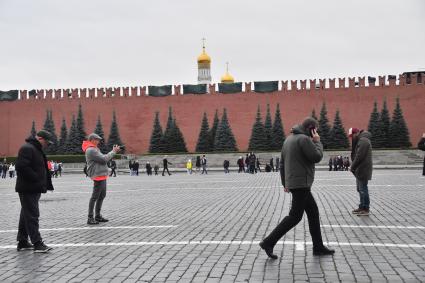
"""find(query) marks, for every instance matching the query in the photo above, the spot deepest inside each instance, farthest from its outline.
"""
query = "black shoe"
(323, 251)
(100, 219)
(24, 246)
(40, 247)
(92, 221)
(268, 250)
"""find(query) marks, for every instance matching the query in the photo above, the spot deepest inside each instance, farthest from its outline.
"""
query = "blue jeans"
(364, 193)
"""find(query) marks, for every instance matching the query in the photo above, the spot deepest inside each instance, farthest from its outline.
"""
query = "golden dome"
(227, 78)
(204, 58)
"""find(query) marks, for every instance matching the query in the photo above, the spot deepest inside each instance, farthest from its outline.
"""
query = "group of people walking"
(339, 163)
(7, 168)
(300, 152)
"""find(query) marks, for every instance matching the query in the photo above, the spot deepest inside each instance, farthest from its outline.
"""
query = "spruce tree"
(278, 134)
(49, 126)
(224, 138)
(81, 133)
(72, 146)
(204, 144)
(99, 131)
(156, 136)
(338, 134)
(384, 125)
(268, 130)
(374, 127)
(213, 130)
(114, 135)
(33, 130)
(258, 134)
(313, 115)
(324, 127)
(167, 141)
(179, 144)
(62, 139)
(398, 132)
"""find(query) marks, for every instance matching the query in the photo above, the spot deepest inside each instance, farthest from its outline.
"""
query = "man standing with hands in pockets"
(300, 151)
(97, 170)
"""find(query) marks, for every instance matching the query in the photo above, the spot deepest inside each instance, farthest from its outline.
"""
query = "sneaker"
(24, 246)
(92, 221)
(268, 250)
(100, 219)
(363, 212)
(323, 251)
(40, 247)
(356, 211)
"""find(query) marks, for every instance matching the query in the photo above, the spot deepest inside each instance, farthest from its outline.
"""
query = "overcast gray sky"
(93, 43)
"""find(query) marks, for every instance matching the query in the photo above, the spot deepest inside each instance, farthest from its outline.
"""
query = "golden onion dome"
(204, 58)
(227, 78)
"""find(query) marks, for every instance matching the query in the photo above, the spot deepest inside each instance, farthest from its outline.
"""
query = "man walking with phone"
(361, 155)
(300, 151)
(97, 170)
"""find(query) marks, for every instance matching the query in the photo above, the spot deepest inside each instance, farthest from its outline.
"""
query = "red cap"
(352, 131)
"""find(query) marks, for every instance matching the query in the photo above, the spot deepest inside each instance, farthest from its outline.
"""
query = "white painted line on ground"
(97, 228)
(299, 244)
(374, 226)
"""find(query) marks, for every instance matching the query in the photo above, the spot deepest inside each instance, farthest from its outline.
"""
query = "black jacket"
(31, 166)
(421, 144)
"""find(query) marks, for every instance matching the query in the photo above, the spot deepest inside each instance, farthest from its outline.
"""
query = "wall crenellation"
(284, 86)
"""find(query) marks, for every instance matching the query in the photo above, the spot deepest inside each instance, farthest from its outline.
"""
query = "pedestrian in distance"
(330, 163)
(361, 167)
(12, 170)
(60, 169)
(113, 165)
(5, 169)
(136, 166)
(271, 164)
(421, 146)
(277, 164)
(226, 165)
(97, 170)
(241, 165)
(156, 169)
(165, 163)
(189, 166)
(149, 169)
(33, 179)
(204, 165)
(198, 164)
(300, 152)
(85, 170)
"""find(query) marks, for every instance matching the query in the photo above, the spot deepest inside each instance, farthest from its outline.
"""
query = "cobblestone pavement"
(202, 228)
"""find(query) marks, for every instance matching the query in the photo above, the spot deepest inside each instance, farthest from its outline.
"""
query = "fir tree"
(63, 137)
(72, 146)
(156, 136)
(339, 137)
(204, 144)
(374, 127)
(398, 132)
(179, 143)
(278, 136)
(81, 133)
(99, 131)
(268, 130)
(167, 142)
(49, 126)
(313, 115)
(213, 130)
(384, 125)
(258, 135)
(33, 130)
(224, 139)
(114, 135)
(324, 127)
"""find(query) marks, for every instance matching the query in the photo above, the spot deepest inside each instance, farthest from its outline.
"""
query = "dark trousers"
(113, 172)
(163, 171)
(97, 197)
(28, 220)
(302, 200)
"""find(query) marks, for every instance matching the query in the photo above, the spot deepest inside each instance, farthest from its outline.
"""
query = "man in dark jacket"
(113, 165)
(301, 150)
(361, 167)
(33, 179)
(421, 146)
(165, 163)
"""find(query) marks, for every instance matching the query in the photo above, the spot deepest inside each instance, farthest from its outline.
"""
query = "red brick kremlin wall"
(135, 110)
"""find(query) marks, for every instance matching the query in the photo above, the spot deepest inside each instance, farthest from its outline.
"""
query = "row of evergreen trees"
(70, 142)
(388, 133)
